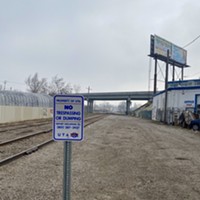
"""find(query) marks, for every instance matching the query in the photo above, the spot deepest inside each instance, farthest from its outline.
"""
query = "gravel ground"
(22, 145)
(121, 158)
(6, 134)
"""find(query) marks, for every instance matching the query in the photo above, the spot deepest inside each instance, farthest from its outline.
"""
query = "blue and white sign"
(189, 103)
(68, 117)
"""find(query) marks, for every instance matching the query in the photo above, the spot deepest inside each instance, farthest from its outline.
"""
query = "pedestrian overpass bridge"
(113, 96)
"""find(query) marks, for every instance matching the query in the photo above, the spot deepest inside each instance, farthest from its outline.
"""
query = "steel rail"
(27, 122)
(36, 147)
(24, 137)
(37, 133)
(23, 126)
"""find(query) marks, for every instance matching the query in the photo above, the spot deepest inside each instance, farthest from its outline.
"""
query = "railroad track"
(20, 133)
(14, 148)
(28, 124)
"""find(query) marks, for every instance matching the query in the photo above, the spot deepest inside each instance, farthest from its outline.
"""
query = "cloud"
(103, 44)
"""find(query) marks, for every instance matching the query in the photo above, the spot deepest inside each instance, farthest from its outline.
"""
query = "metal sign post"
(67, 171)
(68, 125)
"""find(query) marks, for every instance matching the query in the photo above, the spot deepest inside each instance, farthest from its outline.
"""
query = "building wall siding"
(20, 113)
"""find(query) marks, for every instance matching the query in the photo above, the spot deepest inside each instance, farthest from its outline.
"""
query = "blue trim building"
(182, 96)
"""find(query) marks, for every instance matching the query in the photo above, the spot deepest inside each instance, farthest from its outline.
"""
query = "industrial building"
(19, 106)
(181, 96)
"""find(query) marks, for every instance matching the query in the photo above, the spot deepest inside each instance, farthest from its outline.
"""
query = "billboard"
(179, 54)
(159, 47)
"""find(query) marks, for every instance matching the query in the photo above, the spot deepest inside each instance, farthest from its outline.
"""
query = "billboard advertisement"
(160, 47)
(179, 54)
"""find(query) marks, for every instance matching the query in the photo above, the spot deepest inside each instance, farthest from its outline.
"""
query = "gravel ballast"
(121, 158)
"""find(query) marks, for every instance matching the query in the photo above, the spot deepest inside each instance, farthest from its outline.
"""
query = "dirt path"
(121, 158)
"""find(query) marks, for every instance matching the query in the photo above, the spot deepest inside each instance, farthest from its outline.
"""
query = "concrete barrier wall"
(20, 113)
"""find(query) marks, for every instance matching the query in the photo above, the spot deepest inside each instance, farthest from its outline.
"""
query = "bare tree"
(122, 107)
(106, 107)
(76, 88)
(1, 87)
(136, 105)
(58, 86)
(68, 88)
(36, 85)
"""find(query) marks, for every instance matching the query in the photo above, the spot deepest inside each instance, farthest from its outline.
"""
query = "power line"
(192, 41)
(194, 74)
(19, 83)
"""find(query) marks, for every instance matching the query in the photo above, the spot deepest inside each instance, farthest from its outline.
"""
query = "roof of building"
(15, 98)
(190, 84)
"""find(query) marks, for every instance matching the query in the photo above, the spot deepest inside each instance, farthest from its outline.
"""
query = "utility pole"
(5, 85)
(89, 89)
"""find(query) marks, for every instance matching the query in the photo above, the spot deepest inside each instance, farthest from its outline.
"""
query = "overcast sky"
(103, 44)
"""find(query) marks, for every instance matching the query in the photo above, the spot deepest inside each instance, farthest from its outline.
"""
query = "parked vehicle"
(195, 124)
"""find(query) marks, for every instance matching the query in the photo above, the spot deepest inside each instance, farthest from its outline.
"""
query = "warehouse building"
(181, 96)
(19, 106)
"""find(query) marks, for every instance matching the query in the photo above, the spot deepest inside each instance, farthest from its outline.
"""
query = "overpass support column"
(128, 106)
(90, 106)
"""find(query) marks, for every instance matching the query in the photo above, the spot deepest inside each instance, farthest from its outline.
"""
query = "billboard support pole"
(182, 70)
(166, 86)
(173, 72)
(155, 76)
